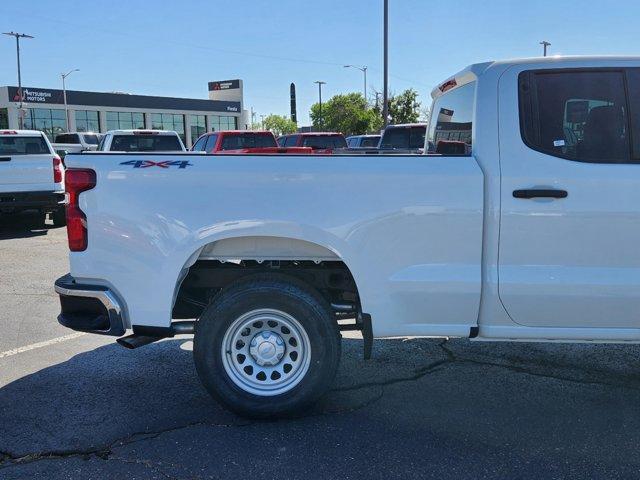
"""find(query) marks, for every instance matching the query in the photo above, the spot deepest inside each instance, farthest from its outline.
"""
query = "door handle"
(540, 193)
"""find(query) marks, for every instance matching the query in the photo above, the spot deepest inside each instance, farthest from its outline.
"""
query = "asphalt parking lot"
(79, 406)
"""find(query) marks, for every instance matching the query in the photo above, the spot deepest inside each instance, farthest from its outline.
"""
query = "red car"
(320, 142)
(242, 141)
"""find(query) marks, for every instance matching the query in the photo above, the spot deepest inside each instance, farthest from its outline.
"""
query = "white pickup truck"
(531, 233)
(31, 175)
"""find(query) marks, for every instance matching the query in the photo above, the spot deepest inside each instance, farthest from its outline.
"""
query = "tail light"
(77, 180)
(57, 170)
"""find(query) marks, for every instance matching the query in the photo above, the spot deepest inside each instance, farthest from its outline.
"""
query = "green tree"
(405, 107)
(347, 113)
(279, 124)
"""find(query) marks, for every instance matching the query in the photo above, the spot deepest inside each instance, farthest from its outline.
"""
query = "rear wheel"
(267, 346)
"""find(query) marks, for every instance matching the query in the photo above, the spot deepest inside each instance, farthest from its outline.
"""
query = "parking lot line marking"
(46, 343)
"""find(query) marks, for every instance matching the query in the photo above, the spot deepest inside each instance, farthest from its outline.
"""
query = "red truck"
(243, 141)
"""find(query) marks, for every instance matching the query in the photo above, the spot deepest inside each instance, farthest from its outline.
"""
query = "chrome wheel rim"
(266, 352)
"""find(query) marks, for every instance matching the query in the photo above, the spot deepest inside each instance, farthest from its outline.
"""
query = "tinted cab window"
(67, 138)
(372, 142)
(403, 138)
(14, 145)
(247, 140)
(324, 141)
(145, 143)
(578, 115)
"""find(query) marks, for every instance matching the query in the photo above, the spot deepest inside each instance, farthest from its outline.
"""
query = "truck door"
(569, 253)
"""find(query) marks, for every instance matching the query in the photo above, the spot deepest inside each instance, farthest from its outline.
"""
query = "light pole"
(64, 96)
(320, 83)
(385, 94)
(18, 37)
(545, 44)
(364, 71)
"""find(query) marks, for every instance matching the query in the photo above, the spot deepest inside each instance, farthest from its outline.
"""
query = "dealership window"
(51, 121)
(450, 127)
(198, 126)
(87, 121)
(125, 121)
(579, 115)
(169, 121)
(222, 122)
(4, 118)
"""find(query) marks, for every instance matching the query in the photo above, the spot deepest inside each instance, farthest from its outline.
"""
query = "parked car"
(363, 141)
(530, 236)
(31, 175)
(320, 142)
(74, 142)
(406, 137)
(141, 141)
(243, 141)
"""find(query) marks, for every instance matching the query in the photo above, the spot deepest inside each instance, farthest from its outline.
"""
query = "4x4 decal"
(164, 164)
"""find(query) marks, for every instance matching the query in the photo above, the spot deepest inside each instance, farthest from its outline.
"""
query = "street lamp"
(320, 83)
(363, 70)
(545, 44)
(64, 96)
(385, 95)
(18, 36)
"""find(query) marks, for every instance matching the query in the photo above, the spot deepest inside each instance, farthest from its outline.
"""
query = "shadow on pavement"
(23, 225)
(420, 407)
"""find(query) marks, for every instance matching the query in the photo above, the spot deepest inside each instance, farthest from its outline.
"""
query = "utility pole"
(262, 120)
(377, 94)
(64, 96)
(385, 96)
(18, 36)
(320, 83)
(545, 44)
(364, 71)
(253, 117)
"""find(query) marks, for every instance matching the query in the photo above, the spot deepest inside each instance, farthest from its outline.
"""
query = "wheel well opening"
(206, 277)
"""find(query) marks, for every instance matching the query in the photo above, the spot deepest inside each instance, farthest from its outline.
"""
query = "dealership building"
(43, 109)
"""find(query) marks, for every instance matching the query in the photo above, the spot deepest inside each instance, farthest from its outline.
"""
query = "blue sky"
(174, 48)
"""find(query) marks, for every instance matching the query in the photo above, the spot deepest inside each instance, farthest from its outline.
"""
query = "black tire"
(282, 293)
(59, 217)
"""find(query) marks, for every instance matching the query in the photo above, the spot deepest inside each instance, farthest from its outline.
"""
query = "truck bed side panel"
(408, 227)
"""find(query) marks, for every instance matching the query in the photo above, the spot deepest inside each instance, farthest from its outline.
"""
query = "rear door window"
(15, 145)
(577, 115)
(200, 144)
(211, 142)
(451, 124)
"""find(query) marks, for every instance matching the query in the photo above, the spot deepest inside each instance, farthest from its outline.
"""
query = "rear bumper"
(47, 200)
(89, 308)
